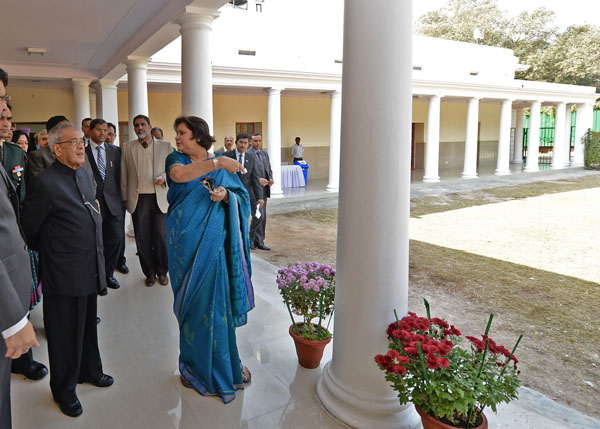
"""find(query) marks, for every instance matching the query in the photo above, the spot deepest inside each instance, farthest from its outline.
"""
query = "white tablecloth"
(292, 177)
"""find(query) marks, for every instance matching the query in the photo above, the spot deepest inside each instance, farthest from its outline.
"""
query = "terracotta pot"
(430, 422)
(309, 352)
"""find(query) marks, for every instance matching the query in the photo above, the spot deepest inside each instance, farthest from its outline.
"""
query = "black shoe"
(123, 268)
(263, 247)
(103, 292)
(98, 320)
(35, 371)
(104, 381)
(150, 280)
(112, 283)
(72, 410)
(252, 247)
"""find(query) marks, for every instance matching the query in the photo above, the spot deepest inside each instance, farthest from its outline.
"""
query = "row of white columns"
(562, 136)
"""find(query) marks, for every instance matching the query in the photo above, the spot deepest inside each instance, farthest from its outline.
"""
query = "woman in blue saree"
(209, 260)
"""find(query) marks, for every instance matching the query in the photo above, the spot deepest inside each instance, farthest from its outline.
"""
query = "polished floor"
(139, 343)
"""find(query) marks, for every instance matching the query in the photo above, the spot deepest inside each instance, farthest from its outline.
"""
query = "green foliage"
(426, 365)
(571, 57)
(592, 150)
(308, 290)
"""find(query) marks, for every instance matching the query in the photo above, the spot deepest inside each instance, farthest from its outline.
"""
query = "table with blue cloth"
(292, 177)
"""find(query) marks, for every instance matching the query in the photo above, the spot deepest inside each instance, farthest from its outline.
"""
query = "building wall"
(40, 104)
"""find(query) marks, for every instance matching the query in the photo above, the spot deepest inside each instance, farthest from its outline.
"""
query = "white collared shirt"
(95, 151)
(237, 156)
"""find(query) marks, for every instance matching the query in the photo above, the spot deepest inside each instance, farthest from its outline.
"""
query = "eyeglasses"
(75, 142)
(209, 184)
(5, 98)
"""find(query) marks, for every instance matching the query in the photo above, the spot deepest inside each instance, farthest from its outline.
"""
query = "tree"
(571, 57)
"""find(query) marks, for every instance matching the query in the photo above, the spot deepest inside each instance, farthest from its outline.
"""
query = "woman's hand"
(230, 164)
(220, 194)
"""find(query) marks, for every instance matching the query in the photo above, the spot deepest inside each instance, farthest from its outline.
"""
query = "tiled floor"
(138, 339)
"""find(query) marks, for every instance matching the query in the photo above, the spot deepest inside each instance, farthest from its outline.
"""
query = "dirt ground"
(558, 315)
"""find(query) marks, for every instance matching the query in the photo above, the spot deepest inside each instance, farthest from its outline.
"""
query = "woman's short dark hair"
(19, 133)
(199, 129)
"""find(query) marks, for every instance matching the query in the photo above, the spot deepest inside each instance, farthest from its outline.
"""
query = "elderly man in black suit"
(18, 335)
(263, 166)
(103, 160)
(62, 220)
(250, 179)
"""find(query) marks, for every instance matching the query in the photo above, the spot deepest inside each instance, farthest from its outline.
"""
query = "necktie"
(101, 164)
(241, 161)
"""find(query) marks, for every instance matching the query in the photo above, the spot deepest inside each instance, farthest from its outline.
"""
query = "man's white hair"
(55, 134)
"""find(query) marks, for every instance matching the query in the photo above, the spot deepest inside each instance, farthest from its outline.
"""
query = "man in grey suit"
(227, 145)
(18, 335)
(263, 164)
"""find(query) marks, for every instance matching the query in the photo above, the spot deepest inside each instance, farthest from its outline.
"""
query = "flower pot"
(430, 422)
(309, 352)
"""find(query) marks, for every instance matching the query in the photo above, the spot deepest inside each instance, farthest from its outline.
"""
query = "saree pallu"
(209, 263)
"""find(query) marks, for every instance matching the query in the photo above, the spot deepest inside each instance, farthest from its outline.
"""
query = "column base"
(502, 172)
(358, 410)
(331, 188)
(469, 175)
(431, 179)
(534, 169)
(517, 162)
(557, 167)
(577, 164)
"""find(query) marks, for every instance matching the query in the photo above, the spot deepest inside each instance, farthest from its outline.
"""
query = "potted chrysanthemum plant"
(308, 291)
(449, 384)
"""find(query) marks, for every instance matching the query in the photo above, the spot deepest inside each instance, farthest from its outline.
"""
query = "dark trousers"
(72, 335)
(121, 260)
(5, 417)
(297, 159)
(113, 234)
(150, 227)
(257, 226)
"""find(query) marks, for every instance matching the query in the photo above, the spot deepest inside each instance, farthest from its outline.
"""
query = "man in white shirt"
(297, 151)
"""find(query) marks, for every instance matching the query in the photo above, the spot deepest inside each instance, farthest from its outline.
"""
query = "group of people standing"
(190, 212)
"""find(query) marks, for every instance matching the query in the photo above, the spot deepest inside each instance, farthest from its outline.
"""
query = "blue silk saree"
(209, 262)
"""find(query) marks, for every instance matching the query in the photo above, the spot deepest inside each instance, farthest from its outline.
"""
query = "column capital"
(81, 82)
(475, 98)
(438, 94)
(274, 90)
(106, 84)
(197, 18)
(335, 93)
(137, 62)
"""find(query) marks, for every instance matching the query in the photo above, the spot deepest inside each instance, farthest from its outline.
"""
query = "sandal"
(246, 374)
(185, 382)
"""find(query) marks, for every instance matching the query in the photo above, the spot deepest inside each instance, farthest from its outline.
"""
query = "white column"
(518, 151)
(196, 70)
(584, 121)
(503, 161)
(558, 147)
(533, 137)
(137, 89)
(470, 164)
(334, 142)
(372, 257)
(567, 146)
(274, 137)
(93, 102)
(81, 97)
(106, 103)
(432, 145)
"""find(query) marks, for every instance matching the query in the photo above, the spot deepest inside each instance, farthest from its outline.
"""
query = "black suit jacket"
(62, 221)
(15, 271)
(250, 179)
(108, 191)
(264, 169)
